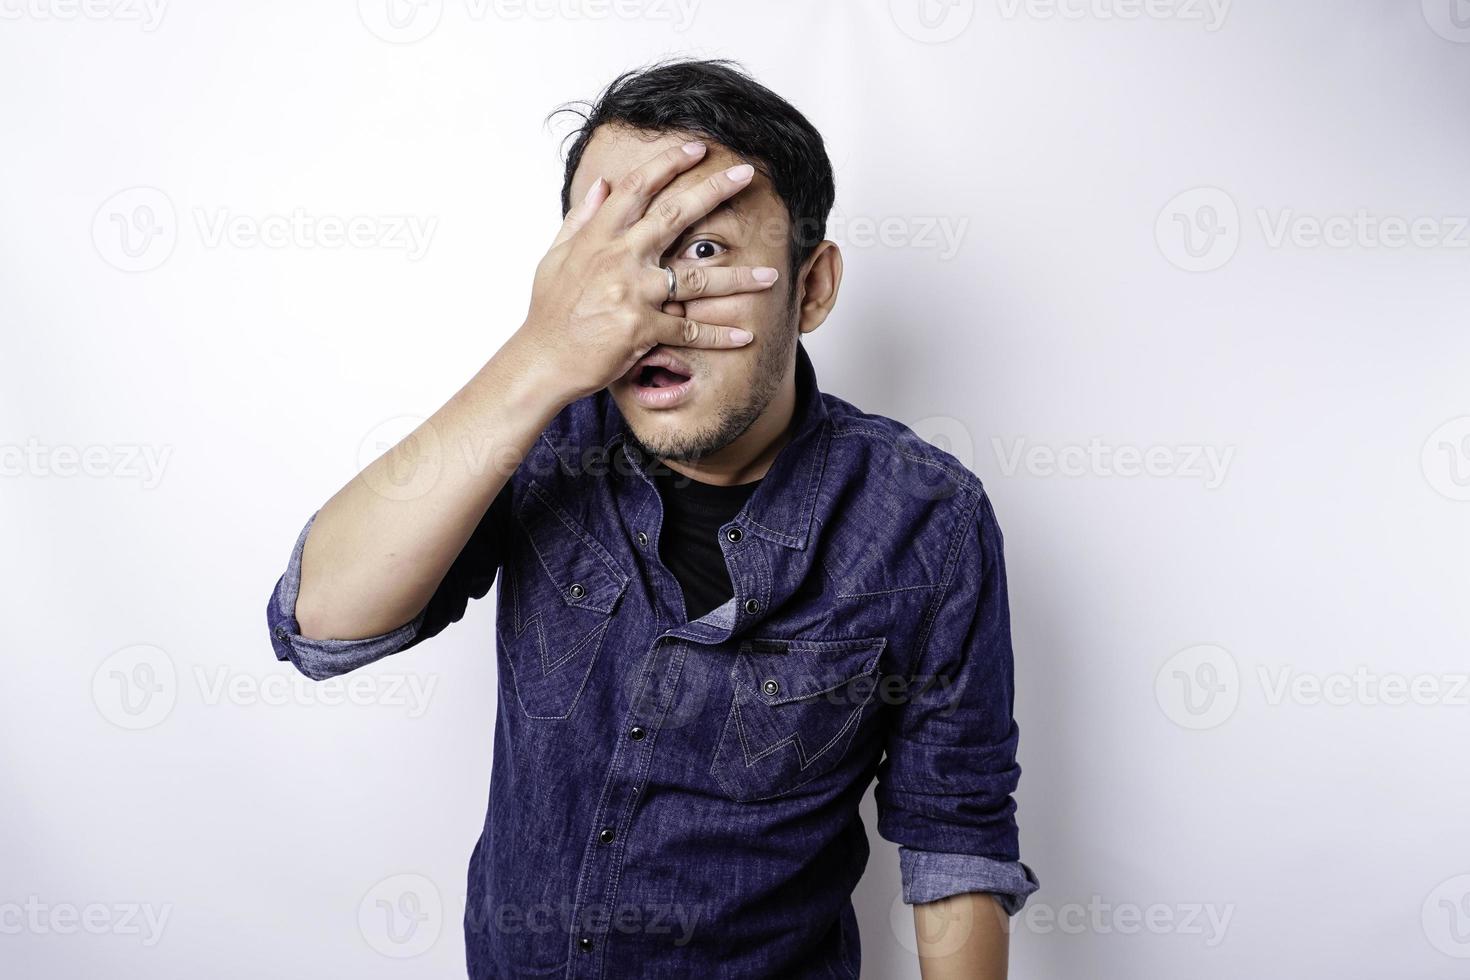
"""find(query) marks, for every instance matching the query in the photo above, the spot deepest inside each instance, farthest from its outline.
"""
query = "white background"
(1224, 776)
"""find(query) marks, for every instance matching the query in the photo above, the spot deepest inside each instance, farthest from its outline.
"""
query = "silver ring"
(673, 284)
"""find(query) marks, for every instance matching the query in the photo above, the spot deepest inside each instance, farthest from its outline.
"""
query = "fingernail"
(694, 149)
(743, 172)
(741, 336)
(592, 191)
(764, 274)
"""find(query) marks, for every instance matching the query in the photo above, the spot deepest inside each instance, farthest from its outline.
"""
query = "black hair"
(717, 100)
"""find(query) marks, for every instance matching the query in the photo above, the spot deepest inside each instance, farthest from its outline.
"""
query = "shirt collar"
(781, 508)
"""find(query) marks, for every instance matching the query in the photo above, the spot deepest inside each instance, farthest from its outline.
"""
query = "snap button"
(584, 944)
(576, 591)
(752, 606)
(636, 733)
(281, 633)
(607, 836)
(734, 535)
(642, 540)
(771, 687)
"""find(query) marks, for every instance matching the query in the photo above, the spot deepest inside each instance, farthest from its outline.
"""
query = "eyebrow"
(724, 207)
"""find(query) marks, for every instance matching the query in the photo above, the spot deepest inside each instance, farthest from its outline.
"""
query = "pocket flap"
(779, 671)
(584, 573)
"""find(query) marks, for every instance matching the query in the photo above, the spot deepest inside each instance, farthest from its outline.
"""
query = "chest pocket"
(796, 708)
(557, 601)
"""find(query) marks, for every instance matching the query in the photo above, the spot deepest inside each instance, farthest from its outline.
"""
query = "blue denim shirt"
(676, 799)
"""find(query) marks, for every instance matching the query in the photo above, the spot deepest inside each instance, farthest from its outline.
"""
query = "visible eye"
(703, 249)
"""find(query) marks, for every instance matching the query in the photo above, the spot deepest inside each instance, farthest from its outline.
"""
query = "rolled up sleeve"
(469, 577)
(946, 783)
(929, 876)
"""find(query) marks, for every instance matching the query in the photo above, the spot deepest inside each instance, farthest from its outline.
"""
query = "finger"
(696, 281)
(680, 331)
(630, 196)
(583, 212)
(668, 219)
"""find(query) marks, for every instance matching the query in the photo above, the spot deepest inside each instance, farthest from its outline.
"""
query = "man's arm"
(962, 937)
(380, 547)
(945, 784)
(376, 551)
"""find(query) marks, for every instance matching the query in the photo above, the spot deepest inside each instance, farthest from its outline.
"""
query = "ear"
(821, 278)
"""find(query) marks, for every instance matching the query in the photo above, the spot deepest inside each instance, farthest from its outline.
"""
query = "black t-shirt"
(689, 543)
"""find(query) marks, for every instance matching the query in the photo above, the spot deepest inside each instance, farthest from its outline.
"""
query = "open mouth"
(661, 379)
(658, 376)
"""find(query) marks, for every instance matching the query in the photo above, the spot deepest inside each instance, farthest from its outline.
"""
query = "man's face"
(729, 389)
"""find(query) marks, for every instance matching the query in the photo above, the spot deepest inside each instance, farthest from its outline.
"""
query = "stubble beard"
(731, 419)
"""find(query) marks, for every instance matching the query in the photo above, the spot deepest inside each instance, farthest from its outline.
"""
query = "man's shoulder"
(889, 492)
(575, 440)
(869, 444)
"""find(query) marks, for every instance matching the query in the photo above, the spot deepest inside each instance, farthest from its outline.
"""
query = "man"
(727, 601)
